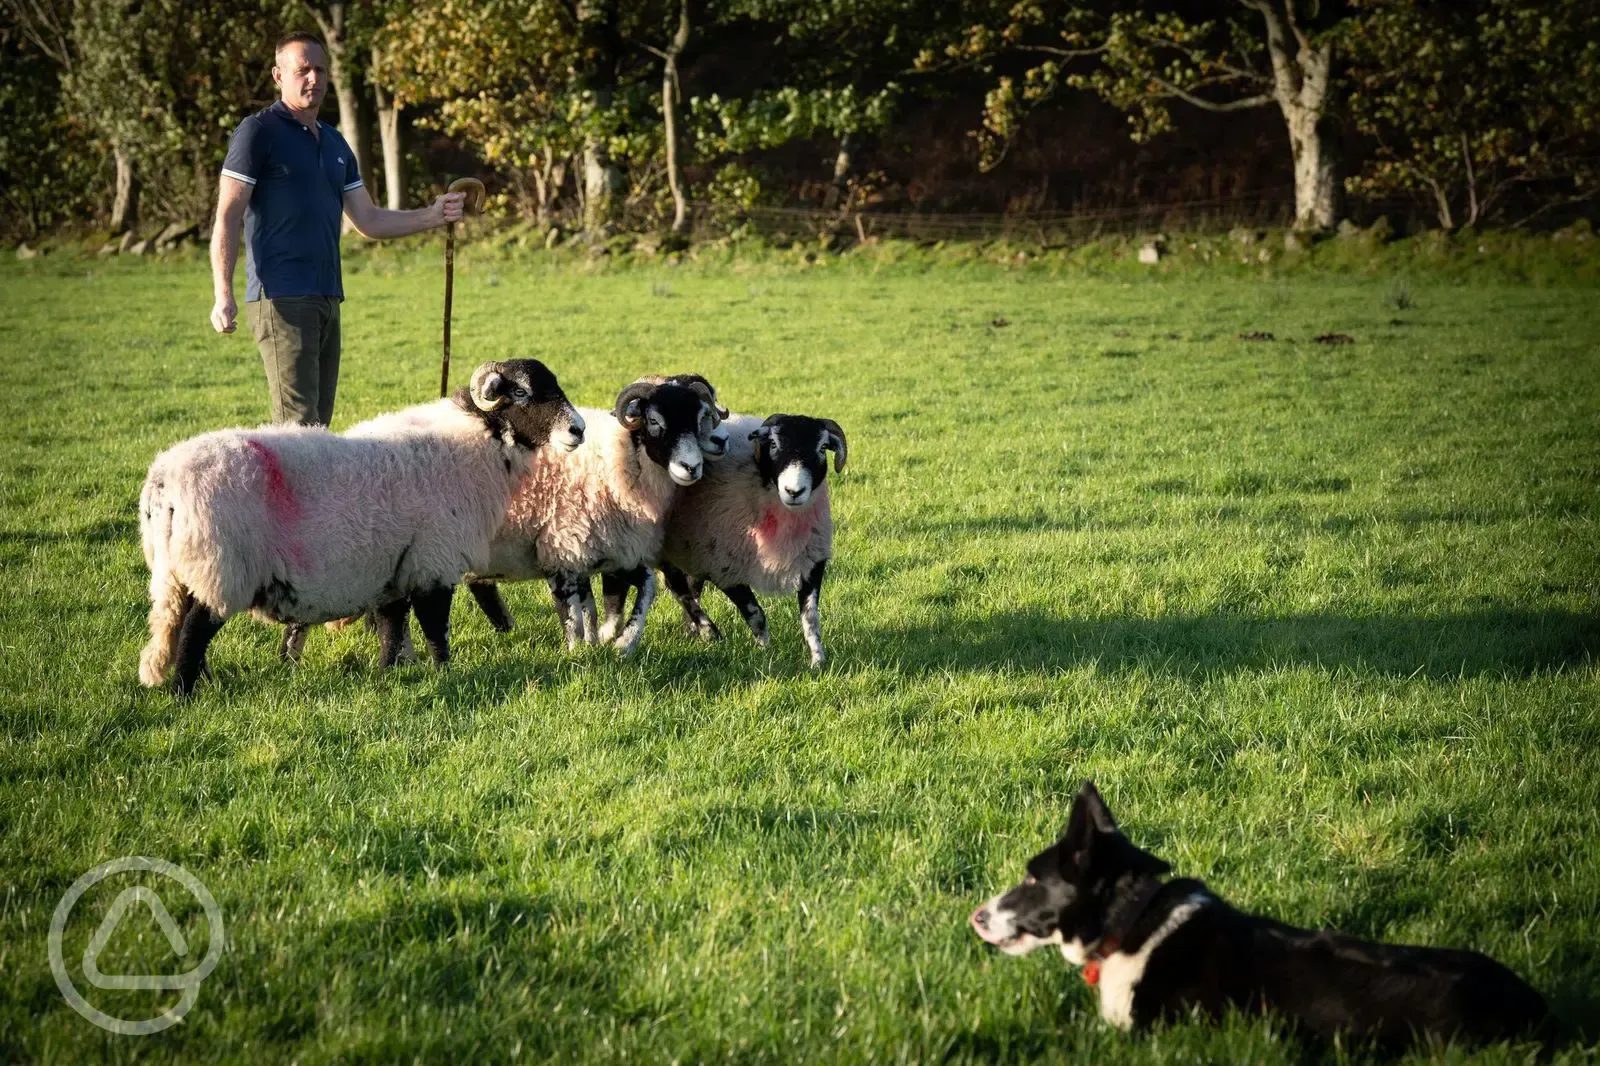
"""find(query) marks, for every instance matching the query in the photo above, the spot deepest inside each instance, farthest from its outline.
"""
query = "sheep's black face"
(713, 434)
(792, 455)
(665, 421)
(523, 397)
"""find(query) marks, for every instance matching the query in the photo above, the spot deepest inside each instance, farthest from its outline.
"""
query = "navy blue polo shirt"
(291, 226)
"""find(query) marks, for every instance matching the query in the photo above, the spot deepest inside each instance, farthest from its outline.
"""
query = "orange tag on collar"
(1091, 972)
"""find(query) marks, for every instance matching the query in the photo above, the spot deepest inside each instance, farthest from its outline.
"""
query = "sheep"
(295, 524)
(615, 584)
(759, 519)
(603, 508)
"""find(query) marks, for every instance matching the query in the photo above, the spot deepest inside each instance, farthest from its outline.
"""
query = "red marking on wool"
(781, 523)
(280, 496)
(281, 500)
(1091, 972)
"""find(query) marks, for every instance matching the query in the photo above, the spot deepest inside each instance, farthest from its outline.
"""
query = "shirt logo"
(341, 159)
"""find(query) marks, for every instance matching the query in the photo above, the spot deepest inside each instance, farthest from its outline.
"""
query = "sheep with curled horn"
(298, 525)
(602, 509)
(760, 520)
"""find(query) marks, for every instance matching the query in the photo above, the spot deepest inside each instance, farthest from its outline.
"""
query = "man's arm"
(233, 196)
(380, 223)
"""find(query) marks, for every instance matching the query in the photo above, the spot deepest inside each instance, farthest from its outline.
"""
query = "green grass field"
(1321, 621)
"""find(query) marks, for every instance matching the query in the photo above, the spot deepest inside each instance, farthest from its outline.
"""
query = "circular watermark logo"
(187, 984)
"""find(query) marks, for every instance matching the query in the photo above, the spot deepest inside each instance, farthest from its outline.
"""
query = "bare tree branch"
(1242, 104)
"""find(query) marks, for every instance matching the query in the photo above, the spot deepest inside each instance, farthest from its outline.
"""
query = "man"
(289, 178)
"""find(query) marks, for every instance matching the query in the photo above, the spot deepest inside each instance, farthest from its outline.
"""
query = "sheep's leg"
(645, 579)
(558, 596)
(586, 604)
(433, 615)
(294, 642)
(170, 602)
(696, 623)
(564, 589)
(811, 612)
(487, 593)
(614, 587)
(200, 624)
(392, 619)
(754, 617)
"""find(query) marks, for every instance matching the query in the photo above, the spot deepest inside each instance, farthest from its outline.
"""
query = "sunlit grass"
(1321, 620)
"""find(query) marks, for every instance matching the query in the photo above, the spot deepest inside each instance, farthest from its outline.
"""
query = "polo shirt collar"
(281, 109)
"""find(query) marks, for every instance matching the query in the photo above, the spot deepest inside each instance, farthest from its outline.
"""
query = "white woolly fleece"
(730, 530)
(342, 523)
(601, 507)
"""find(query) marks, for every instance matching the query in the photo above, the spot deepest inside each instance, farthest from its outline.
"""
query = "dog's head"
(1070, 887)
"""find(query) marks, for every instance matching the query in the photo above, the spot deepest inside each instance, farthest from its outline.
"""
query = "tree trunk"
(1314, 145)
(1302, 71)
(125, 207)
(344, 71)
(394, 155)
(603, 180)
(669, 112)
(842, 163)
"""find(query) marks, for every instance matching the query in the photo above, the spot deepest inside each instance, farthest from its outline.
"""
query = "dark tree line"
(1487, 111)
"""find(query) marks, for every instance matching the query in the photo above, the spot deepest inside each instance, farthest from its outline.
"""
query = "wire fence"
(1262, 209)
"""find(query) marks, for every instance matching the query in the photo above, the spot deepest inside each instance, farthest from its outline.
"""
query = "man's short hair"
(298, 36)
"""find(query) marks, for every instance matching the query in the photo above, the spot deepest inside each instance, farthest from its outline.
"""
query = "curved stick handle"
(474, 190)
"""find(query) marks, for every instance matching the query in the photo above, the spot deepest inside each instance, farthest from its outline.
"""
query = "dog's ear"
(1092, 836)
(1099, 814)
(1121, 853)
(1077, 837)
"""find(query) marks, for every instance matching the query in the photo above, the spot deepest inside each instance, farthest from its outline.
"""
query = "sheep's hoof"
(294, 642)
(817, 660)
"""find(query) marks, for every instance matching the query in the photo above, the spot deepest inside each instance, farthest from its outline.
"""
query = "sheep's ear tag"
(486, 397)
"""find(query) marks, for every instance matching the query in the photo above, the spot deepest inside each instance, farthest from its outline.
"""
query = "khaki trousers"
(299, 341)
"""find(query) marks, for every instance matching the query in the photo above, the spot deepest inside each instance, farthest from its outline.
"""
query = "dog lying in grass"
(1155, 948)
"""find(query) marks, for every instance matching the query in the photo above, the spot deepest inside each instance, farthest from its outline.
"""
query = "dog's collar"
(1118, 927)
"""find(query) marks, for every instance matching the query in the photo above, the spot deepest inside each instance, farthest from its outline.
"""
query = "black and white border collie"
(1161, 949)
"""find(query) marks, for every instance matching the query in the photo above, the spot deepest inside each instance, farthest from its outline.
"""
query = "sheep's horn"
(487, 381)
(707, 393)
(838, 452)
(639, 391)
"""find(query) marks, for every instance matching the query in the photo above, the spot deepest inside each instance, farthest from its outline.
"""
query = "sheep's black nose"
(980, 918)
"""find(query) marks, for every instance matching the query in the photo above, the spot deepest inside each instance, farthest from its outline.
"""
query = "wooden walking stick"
(474, 202)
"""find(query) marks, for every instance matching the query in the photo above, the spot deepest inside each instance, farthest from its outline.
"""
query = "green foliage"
(1321, 621)
(1137, 60)
(167, 81)
(47, 172)
(501, 76)
(1481, 107)
(766, 120)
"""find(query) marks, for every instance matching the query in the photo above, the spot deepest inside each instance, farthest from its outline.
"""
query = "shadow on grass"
(1483, 643)
(106, 531)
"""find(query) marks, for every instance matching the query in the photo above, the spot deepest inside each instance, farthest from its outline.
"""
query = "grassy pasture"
(1320, 619)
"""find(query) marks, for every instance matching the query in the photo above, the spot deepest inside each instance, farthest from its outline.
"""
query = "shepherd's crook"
(474, 202)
